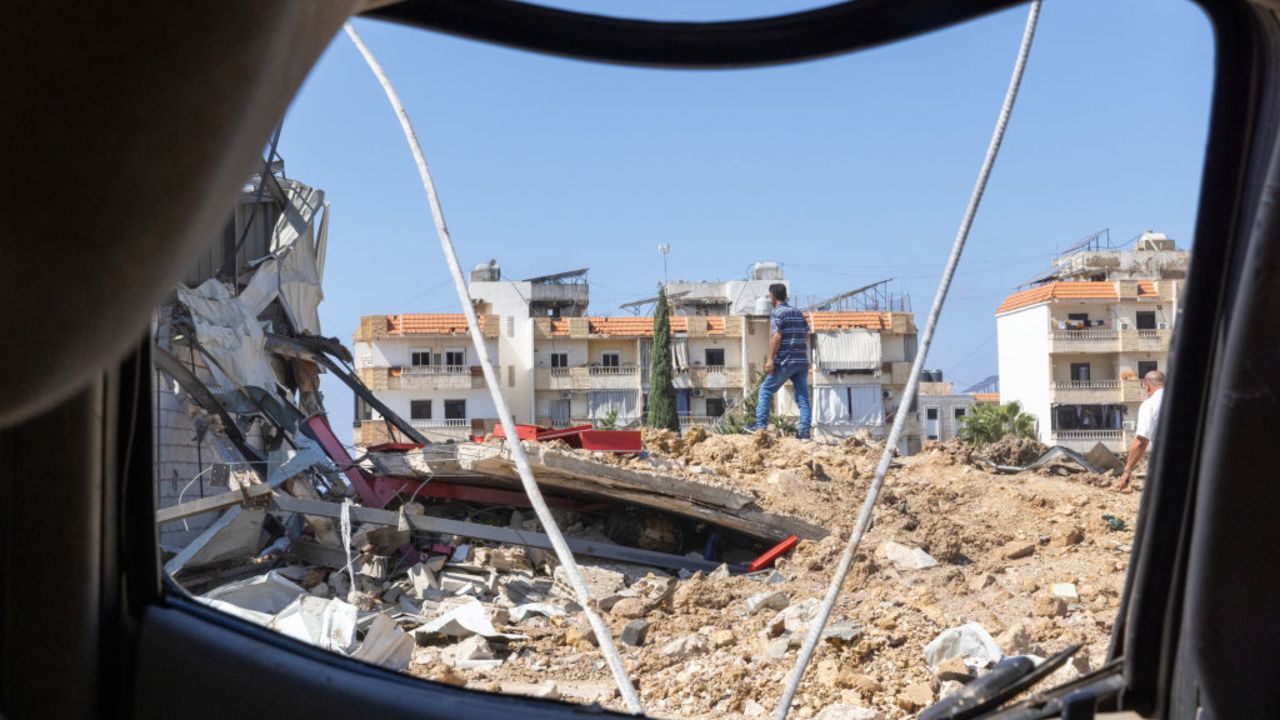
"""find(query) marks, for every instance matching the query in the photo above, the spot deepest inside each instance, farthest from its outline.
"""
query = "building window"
(959, 413)
(931, 423)
(511, 376)
(1080, 372)
(511, 326)
(560, 360)
(1146, 319)
(715, 357)
(419, 409)
(611, 359)
(455, 409)
(1146, 366)
(455, 358)
(715, 407)
(363, 411)
(420, 358)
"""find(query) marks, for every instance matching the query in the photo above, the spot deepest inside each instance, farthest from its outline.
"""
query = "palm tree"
(989, 422)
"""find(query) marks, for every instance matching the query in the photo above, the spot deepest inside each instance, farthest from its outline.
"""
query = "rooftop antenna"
(665, 250)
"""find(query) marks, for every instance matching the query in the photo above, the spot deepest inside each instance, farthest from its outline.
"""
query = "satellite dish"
(664, 248)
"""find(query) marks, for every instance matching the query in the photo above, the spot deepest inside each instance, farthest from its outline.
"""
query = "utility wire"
(540, 508)
(913, 382)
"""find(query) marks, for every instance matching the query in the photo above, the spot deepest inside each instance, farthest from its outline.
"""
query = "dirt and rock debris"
(1027, 558)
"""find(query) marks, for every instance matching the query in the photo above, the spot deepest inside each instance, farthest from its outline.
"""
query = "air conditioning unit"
(1124, 326)
(697, 393)
(1162, 326)
(566, 394)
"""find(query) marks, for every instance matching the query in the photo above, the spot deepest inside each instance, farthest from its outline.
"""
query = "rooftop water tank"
(486, 272)
(763, 306)
(766, 270)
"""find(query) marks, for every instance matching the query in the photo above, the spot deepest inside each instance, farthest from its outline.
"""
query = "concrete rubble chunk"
(794, 619)
(463, 620)
(629, 608)
(1066, 591)
(473, 653)
(770, 599)
(907, 558)
(1048, 605)
(520, 612)
(846, 712)
(600, 582)
(970, 641)
(915, 697)
(843, 632)
(423, 580)
(385, 644)
(953, 668)
(635, 632)
(1018, 549)
(776, 648)
(685, 646)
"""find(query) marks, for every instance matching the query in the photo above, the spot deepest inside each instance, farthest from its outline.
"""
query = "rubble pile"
(706, 554)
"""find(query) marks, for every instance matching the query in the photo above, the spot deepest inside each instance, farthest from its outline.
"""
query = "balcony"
(714, 377)
(1086, 391)
(688, 421)
(1084, 440)
(1131, 390)
(437, 377)
(556, 378)
(1085, 341)
(612, 377)
(429, 424)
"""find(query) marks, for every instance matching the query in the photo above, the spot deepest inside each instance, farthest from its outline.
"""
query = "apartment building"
(1073, 348)
(558, 366)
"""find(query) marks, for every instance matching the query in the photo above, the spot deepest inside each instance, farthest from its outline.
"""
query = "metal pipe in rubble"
(563, 553)
(904, 405)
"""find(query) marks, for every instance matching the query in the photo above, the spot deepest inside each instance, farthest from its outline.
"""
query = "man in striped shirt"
(788, 360)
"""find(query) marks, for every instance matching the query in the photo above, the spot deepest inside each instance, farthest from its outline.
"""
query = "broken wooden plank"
(510, 536)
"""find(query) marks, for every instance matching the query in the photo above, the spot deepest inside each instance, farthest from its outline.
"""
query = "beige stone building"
(1072, 349)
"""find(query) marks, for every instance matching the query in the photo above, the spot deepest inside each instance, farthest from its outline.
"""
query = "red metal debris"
(584, 437)
(772, 554)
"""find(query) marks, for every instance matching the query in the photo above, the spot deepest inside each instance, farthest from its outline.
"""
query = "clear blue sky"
(846, 170)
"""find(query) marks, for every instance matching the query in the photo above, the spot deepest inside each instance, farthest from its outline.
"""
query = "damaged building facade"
(1073, 347)
(559, 366)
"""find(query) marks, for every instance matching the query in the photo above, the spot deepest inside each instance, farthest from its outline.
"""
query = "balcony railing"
(1149, 334)
(1089, 434)
(1086, 384)
(696, 420)
(436, 370)
(560, 372)
(1090, 335)
(614, 370)
(442, 423)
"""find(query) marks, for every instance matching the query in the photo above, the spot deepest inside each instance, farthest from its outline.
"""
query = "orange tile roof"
(986, 397)
(868, 319)
(1076, 290)
(436, 324)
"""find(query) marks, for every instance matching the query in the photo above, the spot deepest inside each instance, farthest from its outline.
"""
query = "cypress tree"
(662, 391)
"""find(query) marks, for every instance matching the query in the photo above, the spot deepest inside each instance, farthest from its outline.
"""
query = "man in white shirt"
(1148, 419)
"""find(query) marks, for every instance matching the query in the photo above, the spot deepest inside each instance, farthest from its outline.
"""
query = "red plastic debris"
(772, 554)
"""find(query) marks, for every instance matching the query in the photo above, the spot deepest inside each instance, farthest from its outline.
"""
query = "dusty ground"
(706, 655)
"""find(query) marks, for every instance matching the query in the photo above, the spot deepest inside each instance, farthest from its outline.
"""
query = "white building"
(558, 367)
(1072, 351)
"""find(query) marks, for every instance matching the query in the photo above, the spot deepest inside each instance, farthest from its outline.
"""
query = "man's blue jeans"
(798, 374)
